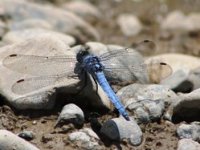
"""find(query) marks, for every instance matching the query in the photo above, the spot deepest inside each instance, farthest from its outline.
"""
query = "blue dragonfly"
(49, 69)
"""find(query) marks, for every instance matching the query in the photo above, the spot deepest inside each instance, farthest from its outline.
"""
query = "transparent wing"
(40, 65)
(28, 85)
(158, 71)
(122, 58)
(129, 61)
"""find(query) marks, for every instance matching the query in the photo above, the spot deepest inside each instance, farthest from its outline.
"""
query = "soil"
(159, 135)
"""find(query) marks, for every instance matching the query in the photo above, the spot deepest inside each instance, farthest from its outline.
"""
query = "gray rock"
(147, 102)
(25, 34)
(27, 135)
(129, 24)
(185, 23)
(147, 110)
(178, 81)
(177, 61)
(148, 91)
(30, 23)
(33, 95)
(86, 142)
(194, 77)
(186, 107)
(188, 144)
(3, 28)
(84, 9)
(91, 133)
(189, 131)
(47, 138)
(71, 114)
(9, 141)
(119, 129)
(61, 20)
(170, 22)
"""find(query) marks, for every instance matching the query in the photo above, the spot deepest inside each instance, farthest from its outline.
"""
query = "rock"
(181, 65)
(119, 129)
(86, 142)
(177, 61)
(30, 23)
(179, 81)
(25, 34)
(27, 135)
(8, 141)
(146, 110)
(194, 77)
(147, 102)
(186, 107)
(71, 114)
(129, 24)
(185, 23)
(146, 92)
(3, 28)
(32, 95)
(193, 21)
(189, 131)
(186, 144)
(61, 20)
(84, 9)
(47, 138)
(91, 133)
(171, 23)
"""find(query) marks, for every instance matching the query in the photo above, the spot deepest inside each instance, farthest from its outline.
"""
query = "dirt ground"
(158, 135)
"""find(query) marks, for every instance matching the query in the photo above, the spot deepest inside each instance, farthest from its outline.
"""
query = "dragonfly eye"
(81, 54)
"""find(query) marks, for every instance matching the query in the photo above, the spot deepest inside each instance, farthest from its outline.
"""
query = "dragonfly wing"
(158, 71)
(124, 65)
(28, 85)
(40, 65)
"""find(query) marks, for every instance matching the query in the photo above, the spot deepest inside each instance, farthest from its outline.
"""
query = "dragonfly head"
(81, 54)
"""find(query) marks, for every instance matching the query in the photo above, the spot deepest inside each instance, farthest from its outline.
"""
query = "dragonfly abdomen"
(110, 93)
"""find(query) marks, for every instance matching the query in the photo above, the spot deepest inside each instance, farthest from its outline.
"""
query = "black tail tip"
(127, 118)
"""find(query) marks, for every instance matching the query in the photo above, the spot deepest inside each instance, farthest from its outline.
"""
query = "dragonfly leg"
(96, 84)
(84, 85)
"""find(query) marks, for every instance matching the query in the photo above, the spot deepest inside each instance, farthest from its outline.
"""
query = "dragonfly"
(48, 69)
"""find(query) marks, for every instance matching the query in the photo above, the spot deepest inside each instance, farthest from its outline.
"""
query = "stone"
(118, 129)
(84, 9)
(186, 144)
(187, 23)
(85, 140)
(189, 131)
(71, 114)
(177, 61)
(129, 24)
(147, 102)
(3, 28)
(27, 135)
(61, 20)
(179, 81)
(30, 23)
(8, 141)
(186, 107)
(193, 77)
(25, 34)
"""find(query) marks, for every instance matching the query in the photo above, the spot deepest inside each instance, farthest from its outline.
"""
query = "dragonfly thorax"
(92, 64)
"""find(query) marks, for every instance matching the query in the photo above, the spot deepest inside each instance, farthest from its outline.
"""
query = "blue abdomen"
(111, 95)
